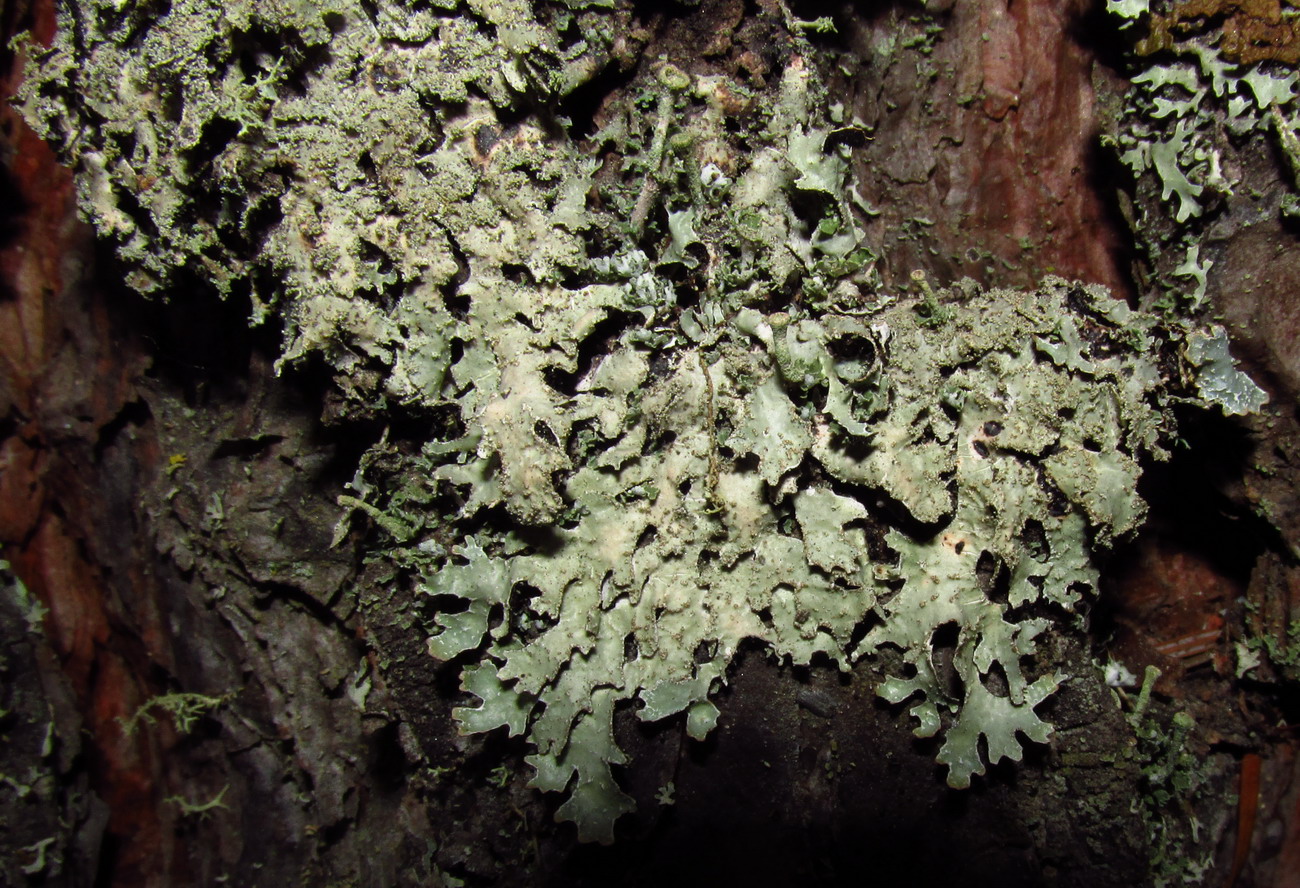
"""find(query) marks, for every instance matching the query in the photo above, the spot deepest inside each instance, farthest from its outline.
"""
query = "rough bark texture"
(985, 160)
(171, 501)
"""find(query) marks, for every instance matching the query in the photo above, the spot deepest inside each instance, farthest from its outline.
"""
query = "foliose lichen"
(1212, 75)
(681, 414)
(728, 494)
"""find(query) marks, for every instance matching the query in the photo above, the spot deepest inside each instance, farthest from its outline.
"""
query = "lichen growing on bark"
(1210, 79)
(677, 413)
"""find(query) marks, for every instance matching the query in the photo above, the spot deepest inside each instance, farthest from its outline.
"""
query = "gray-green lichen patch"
(721, 498)
(678, 414)
(317, 155)
(1217, 378)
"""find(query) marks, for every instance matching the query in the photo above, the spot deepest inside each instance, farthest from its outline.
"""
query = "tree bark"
(171, 501)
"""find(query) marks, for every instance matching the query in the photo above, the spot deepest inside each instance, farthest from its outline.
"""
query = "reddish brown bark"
(67, 373)
(998, 149)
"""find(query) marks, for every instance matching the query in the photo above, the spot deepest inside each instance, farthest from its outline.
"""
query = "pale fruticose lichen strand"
(650, 462)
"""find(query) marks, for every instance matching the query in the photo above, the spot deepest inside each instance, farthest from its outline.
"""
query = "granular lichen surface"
(676, 411)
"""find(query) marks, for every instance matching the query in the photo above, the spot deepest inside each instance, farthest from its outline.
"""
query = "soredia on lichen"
(624, 485)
